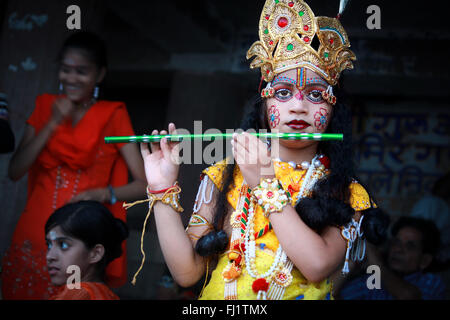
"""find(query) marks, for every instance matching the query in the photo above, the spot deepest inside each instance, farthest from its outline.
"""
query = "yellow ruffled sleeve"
(352, 233)
(359, 198)
(215, 172)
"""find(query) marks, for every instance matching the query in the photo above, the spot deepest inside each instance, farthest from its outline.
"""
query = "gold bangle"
(270, 195)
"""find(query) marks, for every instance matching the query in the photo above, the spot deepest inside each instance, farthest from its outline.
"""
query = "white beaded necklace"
(281, 265)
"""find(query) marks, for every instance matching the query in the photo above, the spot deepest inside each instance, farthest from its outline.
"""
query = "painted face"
(62, 252)
(293, 110)
(78, 75)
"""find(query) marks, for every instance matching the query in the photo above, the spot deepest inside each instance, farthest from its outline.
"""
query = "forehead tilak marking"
(303, 80)
(52, 235)
(284, 79)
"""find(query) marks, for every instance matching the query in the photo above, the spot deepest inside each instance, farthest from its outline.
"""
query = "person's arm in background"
(392, 283)
(136, 189)
(32, 144)
(129, 192)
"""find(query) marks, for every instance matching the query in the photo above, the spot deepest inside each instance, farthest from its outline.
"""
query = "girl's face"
(295, 111)
(79, 76)
(64, 251)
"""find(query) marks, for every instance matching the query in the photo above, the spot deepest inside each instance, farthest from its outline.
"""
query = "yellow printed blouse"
(266, 246)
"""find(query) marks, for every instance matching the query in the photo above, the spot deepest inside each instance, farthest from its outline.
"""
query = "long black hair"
(329, 204)
(92, 223)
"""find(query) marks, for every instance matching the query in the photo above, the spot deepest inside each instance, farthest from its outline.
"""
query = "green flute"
(211, 137)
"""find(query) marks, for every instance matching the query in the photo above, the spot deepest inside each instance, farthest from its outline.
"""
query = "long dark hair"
(92, 223)
(330, 201)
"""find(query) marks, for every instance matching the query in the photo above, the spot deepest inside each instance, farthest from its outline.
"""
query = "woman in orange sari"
(66, 158)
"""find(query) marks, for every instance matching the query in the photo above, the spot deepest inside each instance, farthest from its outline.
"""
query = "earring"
(61, 88)
(268, 92)
(96, 92)
(329, 96)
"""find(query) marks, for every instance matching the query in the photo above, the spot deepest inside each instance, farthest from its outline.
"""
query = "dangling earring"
(268, 91)
(329, 96)
(96, 92)
(61, 88)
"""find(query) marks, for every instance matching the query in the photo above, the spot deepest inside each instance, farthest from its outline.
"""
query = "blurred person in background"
(404, 268)
(64, 153)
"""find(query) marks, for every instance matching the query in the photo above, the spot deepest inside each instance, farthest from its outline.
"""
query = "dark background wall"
(183, 61)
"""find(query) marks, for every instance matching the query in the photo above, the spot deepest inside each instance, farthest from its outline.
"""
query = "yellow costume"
(300, 288)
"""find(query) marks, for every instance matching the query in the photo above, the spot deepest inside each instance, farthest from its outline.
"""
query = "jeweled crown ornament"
(287, 29)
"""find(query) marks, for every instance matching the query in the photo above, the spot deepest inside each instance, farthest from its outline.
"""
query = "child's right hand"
(162, 163)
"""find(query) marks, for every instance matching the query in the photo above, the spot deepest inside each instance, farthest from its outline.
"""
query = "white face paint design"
(52, 235)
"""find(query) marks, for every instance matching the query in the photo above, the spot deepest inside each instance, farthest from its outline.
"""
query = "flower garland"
(272, 283)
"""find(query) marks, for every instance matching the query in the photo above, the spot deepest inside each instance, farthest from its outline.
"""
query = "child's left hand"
(253, 158)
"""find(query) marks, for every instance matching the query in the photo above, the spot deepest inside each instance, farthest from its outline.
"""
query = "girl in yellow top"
(280, 217)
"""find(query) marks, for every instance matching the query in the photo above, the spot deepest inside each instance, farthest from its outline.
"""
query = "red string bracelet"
(158, 191)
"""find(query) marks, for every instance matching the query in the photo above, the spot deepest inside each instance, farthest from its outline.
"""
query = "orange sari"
(75, 159)
(87, 291)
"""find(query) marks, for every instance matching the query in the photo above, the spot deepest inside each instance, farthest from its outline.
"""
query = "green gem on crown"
(290, 47)
(301, 13)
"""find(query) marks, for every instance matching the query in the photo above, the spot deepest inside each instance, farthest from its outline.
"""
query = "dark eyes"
(313, 95)
(62, 244)
(283, 94)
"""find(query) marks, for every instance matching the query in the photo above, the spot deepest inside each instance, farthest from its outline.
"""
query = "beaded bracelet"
(271, 196)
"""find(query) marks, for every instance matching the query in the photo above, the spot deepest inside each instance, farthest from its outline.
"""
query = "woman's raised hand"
(163, 162)
(61, 109)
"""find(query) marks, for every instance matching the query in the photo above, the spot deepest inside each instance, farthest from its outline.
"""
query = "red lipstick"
(298, 124)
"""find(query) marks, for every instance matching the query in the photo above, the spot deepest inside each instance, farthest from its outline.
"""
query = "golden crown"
(286, 31)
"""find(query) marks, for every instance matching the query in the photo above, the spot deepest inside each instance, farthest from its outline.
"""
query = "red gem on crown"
(282, 22)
